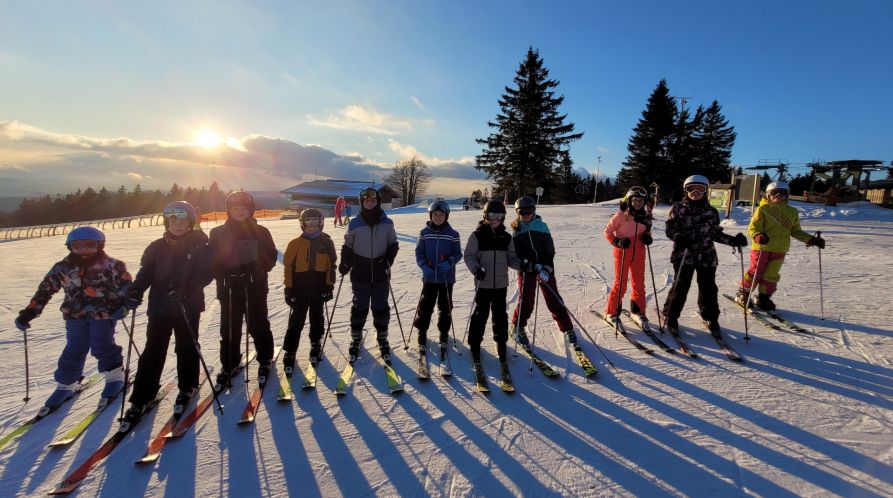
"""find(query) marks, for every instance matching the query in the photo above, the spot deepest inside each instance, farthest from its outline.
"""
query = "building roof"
(329, 187)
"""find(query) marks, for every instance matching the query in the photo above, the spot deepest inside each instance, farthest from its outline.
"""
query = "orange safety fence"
(260, 213)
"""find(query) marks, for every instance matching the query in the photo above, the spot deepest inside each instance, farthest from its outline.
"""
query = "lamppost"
(598, 170)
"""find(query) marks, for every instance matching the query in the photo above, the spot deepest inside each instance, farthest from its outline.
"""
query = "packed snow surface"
(804, 415)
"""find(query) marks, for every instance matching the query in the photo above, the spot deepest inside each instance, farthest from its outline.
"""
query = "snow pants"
(243, 299)
(527, 283)
(707, 292)
(767, 268)
(87, 336)
(485, 301)
(632, 261)
(364, 294)
(151, 364)
(298, 317)
(442, 295)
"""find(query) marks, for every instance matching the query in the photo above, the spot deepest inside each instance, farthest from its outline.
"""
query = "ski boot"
(443, 350)
(672, 325)
(114, 383)
(571, 338)
(315, 351)
(353, 351)
(63, 393)
(183, 400)
(742, 298)
(713, 326)
(764, 301)
(263, 372)
(131, 417)
(521, 336)
(383, 346)
(224, 378)
(288, 363)
(507, 384)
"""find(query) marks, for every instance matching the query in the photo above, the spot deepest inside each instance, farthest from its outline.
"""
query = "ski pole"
(127, 366)
(536, 308)
(621, 281)
(654, 287)
(452, 322)
(198, 350)
(331, 316)
(27, 369)
(821, 281)
(229, 334)
(247, 333)
(477, 285)
(675, 280)
(130, 333)
(416, 317)
(558, 298)
(517, 314)
(396, 310)
(746, 326)
(753, 284)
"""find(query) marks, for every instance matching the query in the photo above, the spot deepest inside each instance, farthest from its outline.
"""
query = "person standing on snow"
(176, 268)
(693, 226)
(243, 253)
(629, 231)
(95, 285)
(309, 281)
(489, 253)
(369, 249)
(437, 251)
(773, 224)
(339, 207)
(536, 250)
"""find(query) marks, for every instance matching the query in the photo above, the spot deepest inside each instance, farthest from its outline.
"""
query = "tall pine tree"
(713, 142)
(531, 136)
(649, 159)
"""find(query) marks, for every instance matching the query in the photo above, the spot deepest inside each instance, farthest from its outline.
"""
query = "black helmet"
(370, 192)
(309, 214)
(439, 205)
(240, 198)
(179, 209)
(494, 207)
(525, 203)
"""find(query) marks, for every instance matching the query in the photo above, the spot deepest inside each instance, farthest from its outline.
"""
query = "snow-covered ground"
(804, 415)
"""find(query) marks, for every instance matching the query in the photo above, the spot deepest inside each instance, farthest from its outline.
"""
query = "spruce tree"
(530, 137)
(713, 141)
(649, 150)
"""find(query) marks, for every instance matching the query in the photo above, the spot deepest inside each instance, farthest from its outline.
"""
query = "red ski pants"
(767, 268)
(633, 267)
(528, 300)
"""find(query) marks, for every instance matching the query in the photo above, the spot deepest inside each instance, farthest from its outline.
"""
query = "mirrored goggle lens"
(526, 211)
(696, 188)
(176, 213)
(778, 193)
(84, 244)
(313, 222)
(495, 216)
(367, 194)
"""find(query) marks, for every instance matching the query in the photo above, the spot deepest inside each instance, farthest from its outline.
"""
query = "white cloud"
(602, 149)
(418, 103)
(462, 167)
(13, 167)
(363, 118)
(136, 176)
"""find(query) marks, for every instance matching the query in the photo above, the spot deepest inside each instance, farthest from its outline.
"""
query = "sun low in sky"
(208, 139)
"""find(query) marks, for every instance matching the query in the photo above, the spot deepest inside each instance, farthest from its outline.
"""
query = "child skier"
(369, 249)
(693, 226)
(309, 280)
(629, 231)
(243, 253)
(437, 251)
(489, 253)
(536, 250)
(773, 224)
(95, 285)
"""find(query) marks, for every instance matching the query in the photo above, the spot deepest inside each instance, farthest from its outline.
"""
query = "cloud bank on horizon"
(36, 161)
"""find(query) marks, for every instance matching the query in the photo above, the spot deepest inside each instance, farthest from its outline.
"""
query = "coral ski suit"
(624, 224)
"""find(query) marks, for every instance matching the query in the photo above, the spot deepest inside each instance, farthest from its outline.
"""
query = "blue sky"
(264, 94)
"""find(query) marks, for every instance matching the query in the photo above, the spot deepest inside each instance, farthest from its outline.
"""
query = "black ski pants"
(243, 299)
(376, 294)
(440, 294)
(707, 292)
(485, 301)
(151, 363)
(298, 318)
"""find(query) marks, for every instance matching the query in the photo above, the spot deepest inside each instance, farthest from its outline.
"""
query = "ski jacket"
(95, 289)
(779, 222)
(533, 244)
(370, 250)
(494, 251)
(437, 244)
(694, 226)
(180, 264)
(310, 264)
(339, 206)
(240, 248)
(625, 224)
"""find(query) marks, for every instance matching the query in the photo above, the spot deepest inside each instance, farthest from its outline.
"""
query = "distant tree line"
(92, 204)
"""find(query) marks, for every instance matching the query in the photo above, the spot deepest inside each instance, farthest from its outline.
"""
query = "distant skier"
(339, 208)
(95, 285)
(536, 250)
(176, 270)
(693, 226)
(437, 252)
(348, 212)
(243, 253)
(773, 224)
(489, 253)
(369, 249)
(629, 231)
(309, 280)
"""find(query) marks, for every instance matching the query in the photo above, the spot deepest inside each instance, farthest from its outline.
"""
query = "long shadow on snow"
(243, 474)
(28, 447)
(793, 464)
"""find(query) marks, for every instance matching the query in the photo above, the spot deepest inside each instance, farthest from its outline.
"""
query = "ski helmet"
(439, 205)
(85, 233)
(494, 207)
(240, 198)
(696, 180)
(636, 191)
(779, 185)
(309, 214)
(370, 192)
(179, 209)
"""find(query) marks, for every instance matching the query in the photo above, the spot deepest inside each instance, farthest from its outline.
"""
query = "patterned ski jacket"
(437, 244)
(779, 222)
(533, 243)
(95, 289)
(180, 264)
(310, 264)
(694, 225)
(494, 251)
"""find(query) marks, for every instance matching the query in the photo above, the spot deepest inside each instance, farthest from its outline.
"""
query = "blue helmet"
(439, 205)
(179, 209)
(85, 233)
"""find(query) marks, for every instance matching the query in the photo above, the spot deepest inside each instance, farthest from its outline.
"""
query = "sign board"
(539, 191)
(720, 198)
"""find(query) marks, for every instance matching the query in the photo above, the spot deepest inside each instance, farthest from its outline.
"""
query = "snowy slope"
(805, 415)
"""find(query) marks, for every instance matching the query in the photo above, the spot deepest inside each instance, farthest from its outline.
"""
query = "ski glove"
(327, 294)
(619, 243)
(761, 239)
(427, 272)
(816, 241)
(290, 298)
(23, 322)
(646, 238)
(543, 276)
(444, 266)
(343, 267)
(133, 302)
(739, 240)
(119, 314)
(480, 273)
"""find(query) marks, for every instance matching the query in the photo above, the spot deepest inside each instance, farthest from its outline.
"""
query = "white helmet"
(696, 180)
(779, 185)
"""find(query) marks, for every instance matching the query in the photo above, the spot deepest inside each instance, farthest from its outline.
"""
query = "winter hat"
(240, 198)
(179, 209)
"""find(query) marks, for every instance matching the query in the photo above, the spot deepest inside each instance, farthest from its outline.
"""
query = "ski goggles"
(176, 212)
(526, 211)
(84, 245)
(495, 216)
(696, 189)
(369, 193)
(778, 193)
(311, 222)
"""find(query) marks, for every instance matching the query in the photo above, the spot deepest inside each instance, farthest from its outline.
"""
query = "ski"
(395, 383)
(683, 346)
(645, 326)
(285, 392)
(589, 368)
(423, 372)
(28, 424)
(445, 367)
(620, 329)
(187, 421)
(721, 342)
(344, 380)
(787, 323)
(758, 314)
(309, 377)
(254, 400)
(153, 450)
(74, 479)
(506, 383)
(481, 380)
(544, 367)
(79, 428)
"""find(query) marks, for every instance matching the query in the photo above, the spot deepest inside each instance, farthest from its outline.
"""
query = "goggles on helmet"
(312, 222)
(696, 188)
(81, 245)
(778, 193)
(495, 216)
(176, 212)
(369, 193)
(526, 211)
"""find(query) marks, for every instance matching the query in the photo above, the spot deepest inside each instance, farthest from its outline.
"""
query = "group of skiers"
(239, 255)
